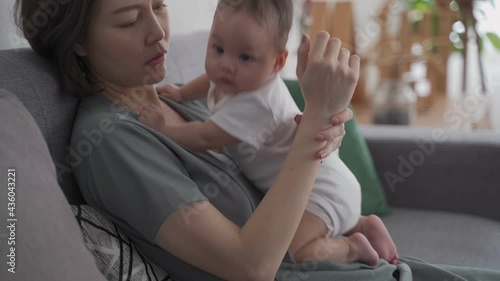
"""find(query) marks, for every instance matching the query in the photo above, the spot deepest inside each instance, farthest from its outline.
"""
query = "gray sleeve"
(135, 178)
(47, 241)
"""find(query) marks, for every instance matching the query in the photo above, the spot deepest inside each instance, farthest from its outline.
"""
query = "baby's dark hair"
(275, 14)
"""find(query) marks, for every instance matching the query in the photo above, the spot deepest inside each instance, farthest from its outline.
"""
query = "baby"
(253, 118)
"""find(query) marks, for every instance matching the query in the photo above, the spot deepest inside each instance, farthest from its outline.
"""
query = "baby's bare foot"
(362, 250)
(152, 116)
(380, 239)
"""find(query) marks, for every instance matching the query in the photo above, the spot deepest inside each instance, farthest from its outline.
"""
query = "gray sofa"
(445, 206)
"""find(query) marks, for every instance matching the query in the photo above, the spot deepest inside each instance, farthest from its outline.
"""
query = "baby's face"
(241, 53)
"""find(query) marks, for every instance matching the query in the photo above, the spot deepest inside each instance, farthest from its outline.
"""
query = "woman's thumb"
(303, 55)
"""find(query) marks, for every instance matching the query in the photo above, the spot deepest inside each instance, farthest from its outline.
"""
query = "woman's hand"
(334, 134)
(327, 76)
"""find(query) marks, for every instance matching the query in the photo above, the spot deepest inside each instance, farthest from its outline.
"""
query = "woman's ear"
(79, 49)
(280, 60)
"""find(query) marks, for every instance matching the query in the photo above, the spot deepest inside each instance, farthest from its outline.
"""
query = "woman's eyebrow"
(126, 8)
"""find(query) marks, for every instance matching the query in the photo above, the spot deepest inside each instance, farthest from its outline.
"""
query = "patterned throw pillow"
(116, 257)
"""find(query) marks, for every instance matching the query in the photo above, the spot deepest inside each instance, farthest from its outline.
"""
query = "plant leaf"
(494, 39)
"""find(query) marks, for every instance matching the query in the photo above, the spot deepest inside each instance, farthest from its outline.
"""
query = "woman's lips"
(157, 60)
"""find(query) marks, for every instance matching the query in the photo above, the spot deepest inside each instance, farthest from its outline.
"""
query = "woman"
(193, 214)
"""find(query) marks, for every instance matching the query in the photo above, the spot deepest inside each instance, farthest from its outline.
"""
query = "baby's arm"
(194, 90)
(197, 136)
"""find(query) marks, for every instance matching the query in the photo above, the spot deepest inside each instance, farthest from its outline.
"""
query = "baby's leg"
(152, 116)
(311, 243)
(380, 239)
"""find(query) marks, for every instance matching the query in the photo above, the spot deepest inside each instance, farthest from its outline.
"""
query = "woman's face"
(127, 42)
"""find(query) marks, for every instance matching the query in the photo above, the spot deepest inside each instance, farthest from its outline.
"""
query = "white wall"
(8, 32)
(190, 15)
(185, 16)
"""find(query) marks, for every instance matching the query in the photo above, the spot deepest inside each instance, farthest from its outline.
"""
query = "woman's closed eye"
(157, 9)
(130, 24)
(160, 7)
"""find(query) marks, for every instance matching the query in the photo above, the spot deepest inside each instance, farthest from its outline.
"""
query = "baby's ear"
(280, 60)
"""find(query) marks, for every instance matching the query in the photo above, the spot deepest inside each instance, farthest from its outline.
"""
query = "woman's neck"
(132, 98)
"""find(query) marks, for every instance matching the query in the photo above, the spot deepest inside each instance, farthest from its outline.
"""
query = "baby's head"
(247, 43)
(276, 15)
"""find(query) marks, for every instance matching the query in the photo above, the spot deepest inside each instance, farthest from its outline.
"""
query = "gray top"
(138, 178)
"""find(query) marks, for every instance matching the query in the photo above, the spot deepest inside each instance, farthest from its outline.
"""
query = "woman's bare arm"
(211, 242)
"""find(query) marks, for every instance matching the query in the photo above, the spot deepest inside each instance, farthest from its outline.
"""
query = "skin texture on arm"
(199, 136)
(193, 90)
(254, 252)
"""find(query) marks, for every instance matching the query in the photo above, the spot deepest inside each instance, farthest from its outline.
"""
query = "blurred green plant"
(468, 13)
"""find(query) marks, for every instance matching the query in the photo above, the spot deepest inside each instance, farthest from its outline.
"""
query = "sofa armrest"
(438, 169)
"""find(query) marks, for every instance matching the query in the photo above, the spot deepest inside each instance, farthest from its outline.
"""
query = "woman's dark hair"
(52, 28)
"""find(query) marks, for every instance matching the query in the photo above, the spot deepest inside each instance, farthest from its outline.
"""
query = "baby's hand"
(152, 116)
(170, 91)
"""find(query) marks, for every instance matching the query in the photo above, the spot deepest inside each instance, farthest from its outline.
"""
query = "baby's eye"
(219, 50)
(245, 57)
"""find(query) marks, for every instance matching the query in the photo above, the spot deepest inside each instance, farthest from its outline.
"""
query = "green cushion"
(356, 155)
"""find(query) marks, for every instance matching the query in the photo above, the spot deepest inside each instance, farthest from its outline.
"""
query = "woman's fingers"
(297, 118)
(342, 117)
(303, 55)
(331, 133)
(333, 136)
(333, 49)
(321, 46)
(344, 56)
(355, 64)
(330, 147)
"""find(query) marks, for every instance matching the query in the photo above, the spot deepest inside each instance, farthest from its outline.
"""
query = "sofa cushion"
(115, 255)
(445, 237)
(34, 80)
(48, 242)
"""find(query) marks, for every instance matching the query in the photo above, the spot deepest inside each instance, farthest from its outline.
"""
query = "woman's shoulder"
(98, 117)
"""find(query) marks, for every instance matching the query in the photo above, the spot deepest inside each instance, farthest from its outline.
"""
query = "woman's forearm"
(271, 228)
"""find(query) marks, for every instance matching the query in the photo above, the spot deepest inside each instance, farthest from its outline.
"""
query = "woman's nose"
(155, 31)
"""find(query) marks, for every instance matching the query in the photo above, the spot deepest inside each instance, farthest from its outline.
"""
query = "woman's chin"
(155, 75)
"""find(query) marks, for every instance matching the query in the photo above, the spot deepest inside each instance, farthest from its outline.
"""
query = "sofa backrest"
(33, 79)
